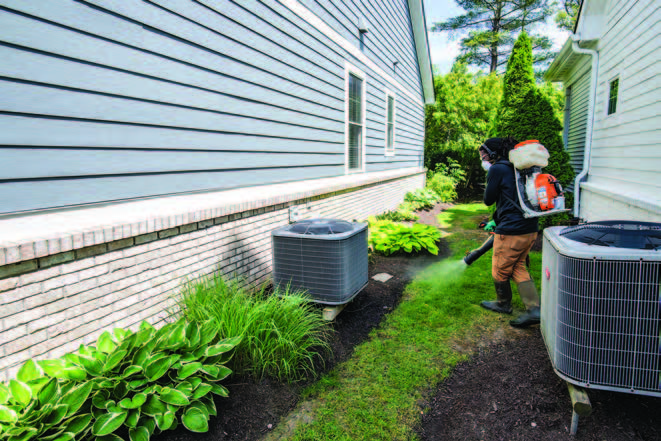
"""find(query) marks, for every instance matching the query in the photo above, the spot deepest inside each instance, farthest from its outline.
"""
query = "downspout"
(588, 132)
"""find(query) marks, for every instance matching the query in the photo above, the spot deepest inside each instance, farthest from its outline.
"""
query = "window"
(390, 124)
(612, 96)
(355, 128)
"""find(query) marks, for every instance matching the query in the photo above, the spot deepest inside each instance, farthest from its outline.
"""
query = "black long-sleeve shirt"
(509, 219)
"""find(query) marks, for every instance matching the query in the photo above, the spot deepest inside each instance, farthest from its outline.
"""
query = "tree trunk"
(495, 27)
(494, 59)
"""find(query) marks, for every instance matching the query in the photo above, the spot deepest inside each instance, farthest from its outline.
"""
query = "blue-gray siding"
(105, 100)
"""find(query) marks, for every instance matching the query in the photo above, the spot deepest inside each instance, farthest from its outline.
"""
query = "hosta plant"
(130, 384)
(389, 237)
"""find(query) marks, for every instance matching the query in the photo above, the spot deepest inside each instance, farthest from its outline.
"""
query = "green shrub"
(444, 186)
(459, 121)
(283, 334)
(389, 237)
(421, 198)
(527, 113)
(141, 382)
(398, 215)
(452, 170)
(444, 180)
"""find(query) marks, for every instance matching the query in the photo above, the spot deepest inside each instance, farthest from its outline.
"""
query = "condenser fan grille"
(618, 234)
(321, 227)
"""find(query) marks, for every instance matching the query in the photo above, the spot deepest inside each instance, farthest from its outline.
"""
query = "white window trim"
(618, 102)
(394, 123)
(349, 69)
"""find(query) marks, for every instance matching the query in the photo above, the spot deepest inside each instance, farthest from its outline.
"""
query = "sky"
(443, 50)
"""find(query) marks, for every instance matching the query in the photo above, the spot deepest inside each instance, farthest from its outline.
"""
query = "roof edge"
(419, 24)
(555, 71)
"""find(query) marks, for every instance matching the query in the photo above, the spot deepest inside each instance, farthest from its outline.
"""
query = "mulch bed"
(509, 391)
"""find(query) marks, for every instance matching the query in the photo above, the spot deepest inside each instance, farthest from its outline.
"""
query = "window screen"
(390, 125)
(355, 122)
(612, 96)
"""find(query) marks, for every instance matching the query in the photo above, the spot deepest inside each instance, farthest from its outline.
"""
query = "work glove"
(490, 226)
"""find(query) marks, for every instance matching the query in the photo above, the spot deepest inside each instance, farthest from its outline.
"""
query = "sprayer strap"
(516, 204)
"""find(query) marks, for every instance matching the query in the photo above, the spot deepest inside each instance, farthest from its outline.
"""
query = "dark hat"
(494, 144)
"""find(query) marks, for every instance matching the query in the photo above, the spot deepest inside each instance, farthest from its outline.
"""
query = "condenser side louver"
(601, 304)
(327, 258)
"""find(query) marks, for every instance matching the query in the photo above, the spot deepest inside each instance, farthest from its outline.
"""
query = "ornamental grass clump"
(388, 237)
(130, 383)
(283, 335)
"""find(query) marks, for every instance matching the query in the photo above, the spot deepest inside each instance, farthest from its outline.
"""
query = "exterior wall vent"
(601, 304)
(325, 257)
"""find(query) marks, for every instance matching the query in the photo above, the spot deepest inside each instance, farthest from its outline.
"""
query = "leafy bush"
(142, 382)
(399, 215)
(283, 334)
(389, 237)
(421, 198)
(444, 180)
(452, 170)
(460, 120)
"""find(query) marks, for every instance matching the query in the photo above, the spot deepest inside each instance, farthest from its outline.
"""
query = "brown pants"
(509, 257)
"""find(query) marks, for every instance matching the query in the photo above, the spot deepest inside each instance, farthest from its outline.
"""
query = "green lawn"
(376, 394)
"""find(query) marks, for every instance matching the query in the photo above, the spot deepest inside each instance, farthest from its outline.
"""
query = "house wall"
(625, 166)
(50, 303)
(389, 38)
(106, 100)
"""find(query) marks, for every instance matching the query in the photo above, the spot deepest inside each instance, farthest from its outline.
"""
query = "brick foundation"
(50, 305)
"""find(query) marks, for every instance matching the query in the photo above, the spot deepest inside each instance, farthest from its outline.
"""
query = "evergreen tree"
(493, 25)
(526, 112)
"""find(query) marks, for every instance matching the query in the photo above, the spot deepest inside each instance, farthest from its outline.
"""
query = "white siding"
(626, 158)
(112, 100)
(576, 124)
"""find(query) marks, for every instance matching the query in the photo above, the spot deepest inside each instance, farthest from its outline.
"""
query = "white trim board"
(389, 94)
(349, 70)
(325, 29)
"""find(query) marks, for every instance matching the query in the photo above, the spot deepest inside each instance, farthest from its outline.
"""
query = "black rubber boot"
(528, 318)
(504, 295)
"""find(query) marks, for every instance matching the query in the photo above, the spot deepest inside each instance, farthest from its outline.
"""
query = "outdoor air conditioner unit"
(325, 257)
(600, 304)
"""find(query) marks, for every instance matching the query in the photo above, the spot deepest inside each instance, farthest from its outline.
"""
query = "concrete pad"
(382, 277)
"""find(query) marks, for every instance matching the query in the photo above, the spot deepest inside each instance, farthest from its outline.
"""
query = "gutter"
(588, 132)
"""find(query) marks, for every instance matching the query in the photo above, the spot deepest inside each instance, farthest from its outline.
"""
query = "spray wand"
(475, 254)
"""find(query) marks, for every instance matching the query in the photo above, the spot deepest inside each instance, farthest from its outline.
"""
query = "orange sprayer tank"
(547, 190)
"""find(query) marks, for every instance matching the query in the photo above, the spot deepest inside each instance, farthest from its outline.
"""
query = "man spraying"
(514, 234)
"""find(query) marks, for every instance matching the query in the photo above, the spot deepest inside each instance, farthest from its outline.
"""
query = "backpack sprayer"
(539, 194)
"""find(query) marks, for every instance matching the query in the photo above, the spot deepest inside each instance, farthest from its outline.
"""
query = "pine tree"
(526, 112)
(492, 26)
